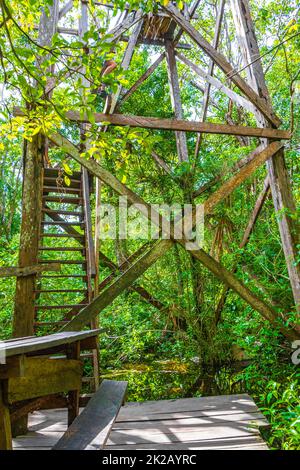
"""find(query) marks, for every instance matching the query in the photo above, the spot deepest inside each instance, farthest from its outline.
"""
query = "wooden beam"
(44, 376)
(65, 9)
(125, 280)
(142, 78)
(90, 250)
(222, 63)
(244, 173)
(247, 42)
(122, 282)
(28, 270)
(5, 425)
(280, 184)
(237, 166)
(245, 239)
(181, 143)
(256, 211)
(91, 429)
(215, 44)
(161, 163)
(179, 125)
(115, 33)
(73, 354)
(23, 319)
(238, 99)
(156, 42)
(34, 154)
(13, 367)
(127, 59)
(137, 288)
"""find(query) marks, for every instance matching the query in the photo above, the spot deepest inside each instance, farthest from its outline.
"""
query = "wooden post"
(90, 250)
(97, 233)
(35, 153)
(5, 425)
(278, 176)
(181, 143)
(73, 352)
(127, 59)
(23, 320)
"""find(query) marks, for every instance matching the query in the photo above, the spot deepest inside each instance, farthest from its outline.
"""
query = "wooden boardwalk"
(229, 422)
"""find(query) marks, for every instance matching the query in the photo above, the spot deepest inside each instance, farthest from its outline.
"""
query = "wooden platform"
(228, 422)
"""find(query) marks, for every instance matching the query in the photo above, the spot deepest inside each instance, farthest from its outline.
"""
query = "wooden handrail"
(13, 271)
(91, 262)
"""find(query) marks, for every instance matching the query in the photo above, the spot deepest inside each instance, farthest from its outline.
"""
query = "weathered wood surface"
(248, 169)
(90, 250)
(127, 59)
(223, 64)
(206, 92)
(191, 423)
(5, 426)
(13, 367)
(280, 184)
(173, 78)
(36, 344)
(256, 211)
(142, 78)
(23, 319)
(28, 270)
(139, 267)
(91, 428)
(225, 422)
(180, 125)
(175, 125)
(212, 81)
(43, 376)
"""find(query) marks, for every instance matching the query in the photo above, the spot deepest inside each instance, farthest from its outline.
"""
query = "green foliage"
(177, 350)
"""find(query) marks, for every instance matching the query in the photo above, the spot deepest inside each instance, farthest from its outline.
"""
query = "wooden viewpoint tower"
(52, 210)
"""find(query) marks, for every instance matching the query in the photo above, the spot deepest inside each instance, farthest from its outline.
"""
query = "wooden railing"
(90, 252)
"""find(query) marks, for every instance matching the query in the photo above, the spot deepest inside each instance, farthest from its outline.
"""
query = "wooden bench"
(32, 374)
(90, 430)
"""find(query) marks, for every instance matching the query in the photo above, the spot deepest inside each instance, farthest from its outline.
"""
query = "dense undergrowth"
(181, 349)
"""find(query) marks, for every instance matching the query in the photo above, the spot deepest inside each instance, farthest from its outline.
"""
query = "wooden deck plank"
(39, 343)
(228, 422)
(188, 434)
(241, 443)
(255, 417)
(90, 430)
(233, 403)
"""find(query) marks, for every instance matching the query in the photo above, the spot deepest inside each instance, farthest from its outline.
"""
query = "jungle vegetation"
(184, 347)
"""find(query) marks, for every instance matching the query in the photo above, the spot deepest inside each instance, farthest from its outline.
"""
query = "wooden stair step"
(53, 172)
(59, 307)
(63, 200)
(61, 190)
(82, 355)
(52, 291)
(50, 222)
(61, 235)
(73, 276)
(63, 248)
(62, 261)
(52, 181)
(62, 212)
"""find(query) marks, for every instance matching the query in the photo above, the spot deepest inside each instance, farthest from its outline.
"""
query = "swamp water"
(174, 379)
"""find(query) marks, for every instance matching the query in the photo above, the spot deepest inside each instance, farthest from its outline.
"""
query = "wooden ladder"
(65, 238)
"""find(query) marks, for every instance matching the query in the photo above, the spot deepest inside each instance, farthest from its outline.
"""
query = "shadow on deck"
(229, 422)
